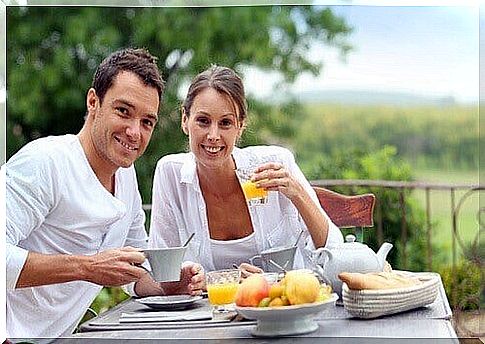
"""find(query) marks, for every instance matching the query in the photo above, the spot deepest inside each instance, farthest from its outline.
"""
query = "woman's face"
(213, 128)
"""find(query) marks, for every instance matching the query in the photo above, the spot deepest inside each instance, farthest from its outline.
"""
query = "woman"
(200, 192)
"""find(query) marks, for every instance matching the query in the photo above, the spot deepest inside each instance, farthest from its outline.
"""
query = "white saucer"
(170, 302)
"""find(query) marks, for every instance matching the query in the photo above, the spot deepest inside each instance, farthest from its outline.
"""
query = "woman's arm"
(289, 180)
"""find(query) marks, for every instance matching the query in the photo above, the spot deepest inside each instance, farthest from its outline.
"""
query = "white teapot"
(350, 256)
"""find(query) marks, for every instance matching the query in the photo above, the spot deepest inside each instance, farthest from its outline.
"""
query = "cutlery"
(298, 239)
(188, 240)
(282, 268)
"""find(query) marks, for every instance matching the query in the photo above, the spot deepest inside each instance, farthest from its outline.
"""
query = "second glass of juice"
(221, 290)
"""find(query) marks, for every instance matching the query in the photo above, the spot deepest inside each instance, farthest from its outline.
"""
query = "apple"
(252, 290)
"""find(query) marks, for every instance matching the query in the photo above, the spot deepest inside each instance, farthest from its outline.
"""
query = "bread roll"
(380, 280)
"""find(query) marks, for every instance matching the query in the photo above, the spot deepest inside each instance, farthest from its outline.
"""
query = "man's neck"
(104, 172)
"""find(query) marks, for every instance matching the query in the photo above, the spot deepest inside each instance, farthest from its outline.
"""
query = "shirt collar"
(188, 172)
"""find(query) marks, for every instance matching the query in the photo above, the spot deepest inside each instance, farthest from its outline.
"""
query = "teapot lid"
(351, 244)
(350, 238)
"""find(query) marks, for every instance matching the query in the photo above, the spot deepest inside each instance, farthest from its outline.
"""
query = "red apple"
(252, 290)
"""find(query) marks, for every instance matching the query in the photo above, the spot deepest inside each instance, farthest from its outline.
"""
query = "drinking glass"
(221, 289)
(253, 195)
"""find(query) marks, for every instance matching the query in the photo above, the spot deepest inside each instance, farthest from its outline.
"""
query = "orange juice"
(251, 191)
(222, 294)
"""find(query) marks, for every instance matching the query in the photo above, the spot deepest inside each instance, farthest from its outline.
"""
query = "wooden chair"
(347, 211)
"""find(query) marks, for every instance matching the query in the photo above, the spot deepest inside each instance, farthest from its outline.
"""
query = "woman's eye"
(225, 123)
(202, 121)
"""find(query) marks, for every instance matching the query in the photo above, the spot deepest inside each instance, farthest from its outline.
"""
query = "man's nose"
(133, 130)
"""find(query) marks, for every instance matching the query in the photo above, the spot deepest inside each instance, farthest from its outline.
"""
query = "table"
(335, 325)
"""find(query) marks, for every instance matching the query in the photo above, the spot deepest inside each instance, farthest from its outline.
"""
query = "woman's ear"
(184, 123)
(240, 131)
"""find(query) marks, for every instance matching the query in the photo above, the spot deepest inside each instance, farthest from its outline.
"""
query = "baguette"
(380, 280)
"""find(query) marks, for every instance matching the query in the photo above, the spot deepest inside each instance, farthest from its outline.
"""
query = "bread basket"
(375, 303)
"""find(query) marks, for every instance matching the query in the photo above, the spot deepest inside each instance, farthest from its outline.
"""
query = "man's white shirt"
(55, 204)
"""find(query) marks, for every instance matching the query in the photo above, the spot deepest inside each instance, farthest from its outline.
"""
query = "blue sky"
(424, 50)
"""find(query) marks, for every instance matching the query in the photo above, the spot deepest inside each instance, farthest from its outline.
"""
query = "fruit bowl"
(286, 320)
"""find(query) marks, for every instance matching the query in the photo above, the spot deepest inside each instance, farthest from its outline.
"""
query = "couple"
(74, 216)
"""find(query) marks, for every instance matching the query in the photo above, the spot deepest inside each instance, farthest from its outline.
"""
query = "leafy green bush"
(468, 294)
(107, 298)
(381, 165)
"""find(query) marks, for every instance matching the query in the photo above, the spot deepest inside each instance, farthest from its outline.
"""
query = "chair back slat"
(347, 211)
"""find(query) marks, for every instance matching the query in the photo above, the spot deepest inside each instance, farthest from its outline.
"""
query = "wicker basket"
(375, 303)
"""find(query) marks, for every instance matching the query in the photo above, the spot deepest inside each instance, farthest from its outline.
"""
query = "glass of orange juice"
(221, 290)
(253, 194)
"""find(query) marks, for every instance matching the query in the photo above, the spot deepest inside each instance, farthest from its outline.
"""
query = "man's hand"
(114, 267)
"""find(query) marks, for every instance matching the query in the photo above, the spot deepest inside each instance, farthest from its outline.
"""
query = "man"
(74, 216)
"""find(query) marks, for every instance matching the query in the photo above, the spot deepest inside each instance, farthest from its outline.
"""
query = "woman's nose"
(213, 134)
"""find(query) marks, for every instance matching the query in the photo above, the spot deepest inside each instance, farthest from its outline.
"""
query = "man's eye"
(122, 110)
(148, 122)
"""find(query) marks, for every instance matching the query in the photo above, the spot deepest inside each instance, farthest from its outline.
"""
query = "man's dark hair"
(138, 61)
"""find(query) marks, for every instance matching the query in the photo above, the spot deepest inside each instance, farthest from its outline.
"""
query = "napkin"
(165, 316)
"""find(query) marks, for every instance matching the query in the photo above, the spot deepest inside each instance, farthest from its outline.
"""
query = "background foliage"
(53, 53)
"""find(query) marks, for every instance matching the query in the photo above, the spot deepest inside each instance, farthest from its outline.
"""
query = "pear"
(301, 286)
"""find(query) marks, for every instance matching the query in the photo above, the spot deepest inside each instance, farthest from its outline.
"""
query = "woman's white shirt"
(179, 209)
(225, 253)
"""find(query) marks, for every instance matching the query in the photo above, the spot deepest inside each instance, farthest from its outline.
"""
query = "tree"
(53, 52)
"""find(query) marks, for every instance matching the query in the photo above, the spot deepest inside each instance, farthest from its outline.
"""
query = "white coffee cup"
(165, 262)
(283, 256)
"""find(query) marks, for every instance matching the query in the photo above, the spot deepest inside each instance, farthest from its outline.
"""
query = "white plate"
(286, 320)
(169, 302)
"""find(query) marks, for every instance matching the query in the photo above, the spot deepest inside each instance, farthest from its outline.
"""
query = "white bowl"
(286, 320)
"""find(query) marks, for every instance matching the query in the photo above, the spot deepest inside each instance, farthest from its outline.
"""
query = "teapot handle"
(319, 251)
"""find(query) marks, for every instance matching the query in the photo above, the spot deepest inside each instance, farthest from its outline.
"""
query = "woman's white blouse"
(225, 253)
(179, 209)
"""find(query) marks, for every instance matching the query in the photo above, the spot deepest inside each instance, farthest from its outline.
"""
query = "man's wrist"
(83, 264)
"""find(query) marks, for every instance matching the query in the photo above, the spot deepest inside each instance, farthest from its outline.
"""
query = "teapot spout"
(382, 253)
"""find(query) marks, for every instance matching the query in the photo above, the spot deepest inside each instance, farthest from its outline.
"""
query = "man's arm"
(113, 267)
(31, 193)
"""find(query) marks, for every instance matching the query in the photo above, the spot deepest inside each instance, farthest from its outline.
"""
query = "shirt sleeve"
(334, 235)
(137, 236)
(30, 196)
(163, 227)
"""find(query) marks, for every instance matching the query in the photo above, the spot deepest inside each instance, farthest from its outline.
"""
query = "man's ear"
(92, 101)
(184, 122)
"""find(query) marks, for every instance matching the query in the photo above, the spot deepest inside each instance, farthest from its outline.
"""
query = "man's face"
(124, 122)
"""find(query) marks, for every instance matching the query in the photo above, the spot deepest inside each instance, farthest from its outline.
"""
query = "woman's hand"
(192, 281)
(273, 176)
(248, 269)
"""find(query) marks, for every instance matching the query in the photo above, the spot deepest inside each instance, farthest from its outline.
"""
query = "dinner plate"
(286, 320)
(169, 302)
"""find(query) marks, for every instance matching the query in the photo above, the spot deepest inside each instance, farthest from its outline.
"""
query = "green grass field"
(441, 213)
